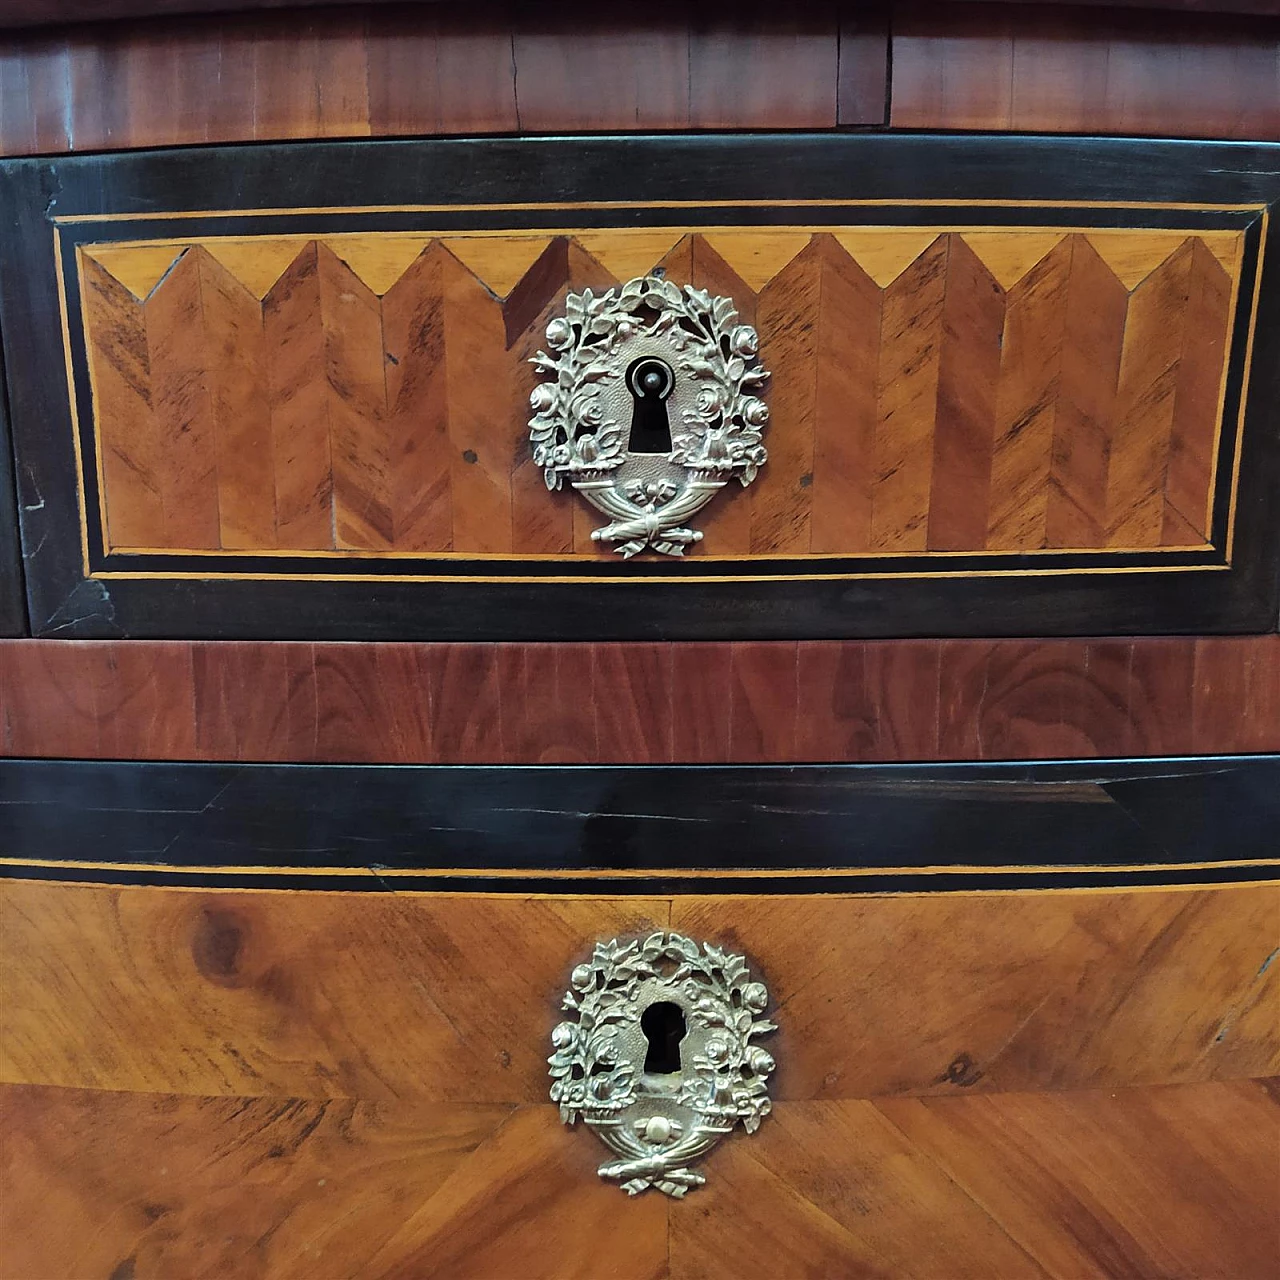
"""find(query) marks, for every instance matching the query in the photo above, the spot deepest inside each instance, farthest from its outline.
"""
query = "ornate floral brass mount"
(658, 1056)
(651, 408)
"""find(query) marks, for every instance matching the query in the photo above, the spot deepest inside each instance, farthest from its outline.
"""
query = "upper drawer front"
(1016, 385)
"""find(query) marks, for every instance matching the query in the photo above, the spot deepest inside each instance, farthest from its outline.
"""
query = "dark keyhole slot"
(664, 1027)
(650, 381)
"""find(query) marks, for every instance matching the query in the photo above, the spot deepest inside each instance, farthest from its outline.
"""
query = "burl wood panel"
(279, 1084)
(1176, 1180)
(700, 703)
(992, 390)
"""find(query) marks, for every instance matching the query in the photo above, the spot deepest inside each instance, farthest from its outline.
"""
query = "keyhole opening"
(664, 1027)
(650, 381)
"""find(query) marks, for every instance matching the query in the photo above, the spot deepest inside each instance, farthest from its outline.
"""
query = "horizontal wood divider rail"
(1078, 70)
(641, 703)
(396, 70)
(402, 70)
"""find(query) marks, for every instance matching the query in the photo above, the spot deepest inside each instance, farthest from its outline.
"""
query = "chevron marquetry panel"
(986, 390)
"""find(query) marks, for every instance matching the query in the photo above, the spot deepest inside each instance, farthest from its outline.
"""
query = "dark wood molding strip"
(645, 830)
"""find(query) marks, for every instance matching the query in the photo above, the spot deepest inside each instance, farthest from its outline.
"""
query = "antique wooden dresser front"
(712, 579)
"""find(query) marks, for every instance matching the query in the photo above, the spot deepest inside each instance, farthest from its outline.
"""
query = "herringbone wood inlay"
(1008, 390)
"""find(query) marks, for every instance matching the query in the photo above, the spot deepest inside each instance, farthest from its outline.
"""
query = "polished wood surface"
(278, 1084)
(640, 703)
(402, 70)
(997, 390)
(1150, 1182)
(1008, 66)
(23, 13)
(451, 997)
(399, 70)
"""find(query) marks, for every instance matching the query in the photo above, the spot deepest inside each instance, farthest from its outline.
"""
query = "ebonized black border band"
(645, 829)
(13, 604)
(603, 886)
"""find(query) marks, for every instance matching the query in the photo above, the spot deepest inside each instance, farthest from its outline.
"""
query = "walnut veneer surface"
(278, 1085)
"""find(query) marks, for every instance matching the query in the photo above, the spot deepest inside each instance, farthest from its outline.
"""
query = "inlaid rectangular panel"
(1012, 390)
(1016, 385)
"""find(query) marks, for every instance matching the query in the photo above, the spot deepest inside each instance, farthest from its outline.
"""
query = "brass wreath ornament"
(657, 1124)
(649, 340)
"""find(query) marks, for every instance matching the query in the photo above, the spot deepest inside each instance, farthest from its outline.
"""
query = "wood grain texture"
(1145, 399)
(848, 360)
(1000, 391)
(863, 87)
(964, 440)
(522, 1206)
(1088, 375)
(907, 391)
(1003, 1036)
(350, 315)
(121, 371)
(34, 85)
(709, 703)
(1082, 71)
(607, 67)
(283, 999)
(1046, 1158)
(415, 379)
(1026, 403)
(787, 310)
(1236, 692)
(296, 393)
(1199, 386)
(1004, 1186)
(182, 424)
(757, 65)
(480, 389)
(120, 699)
(450, 998)
(397, 71)
(235, 341)
(438, 71)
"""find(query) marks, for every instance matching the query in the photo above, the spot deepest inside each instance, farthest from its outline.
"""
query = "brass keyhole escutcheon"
(650, 404)
(657, 1054)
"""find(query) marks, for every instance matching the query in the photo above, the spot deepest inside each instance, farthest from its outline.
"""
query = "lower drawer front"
(275, 1083)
